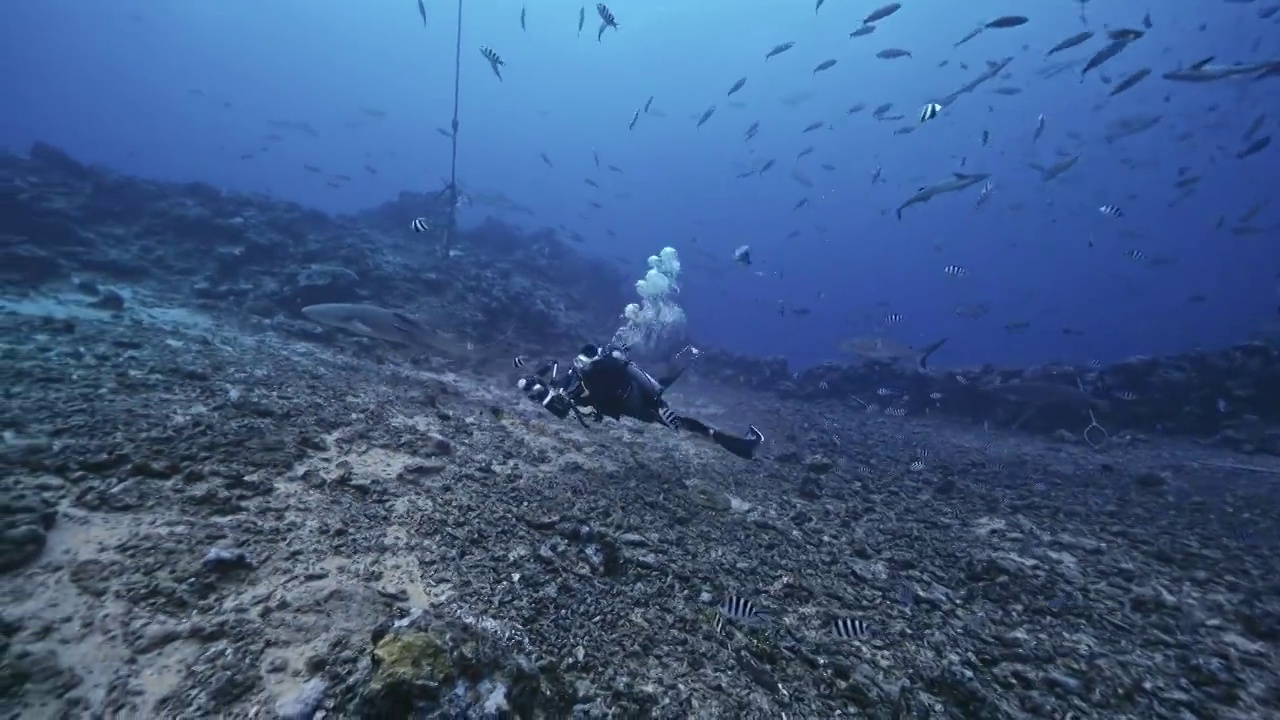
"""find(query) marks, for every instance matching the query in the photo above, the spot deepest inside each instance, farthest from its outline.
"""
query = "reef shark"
(885, 349)
(960, 181)
(1202, 71)
(382, 324)
(1036, 395)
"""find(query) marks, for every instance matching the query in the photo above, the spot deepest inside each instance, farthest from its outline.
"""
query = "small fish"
(522, 14)
(420, 225)
(422, 10)
(824, 65)
(1125, 34)
(1007, 21)
(1130, 81)
(955, 271)
(606, 16)
(519, 361)
(737, 86)
(986, 138)
(1111, 211)
(894, 318)
(582, 18)
(1040, 121)
(851, 629)
(1146, 21)
(1103, 55)
(1078, 39)
(895, 412)
(888, 392)
(889, 54)
(740, 609)
(647, 104)
(816, 125)
(779, 49)
(546, 159)
(931, 111)
(606, 20)
(864, 30)
(1135, 255)
(1126, 395)
(801, 203)
(1254, 127)
(742, 255)
(806, 151)
(495, 62)
(634, 118)
(706, 116)
(972, 34)
(916, 465)
(767, 164)
(882, 13)
(1254, 147)
(984, 194)
(818, 6)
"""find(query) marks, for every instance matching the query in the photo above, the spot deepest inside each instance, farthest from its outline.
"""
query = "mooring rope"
(453, 164)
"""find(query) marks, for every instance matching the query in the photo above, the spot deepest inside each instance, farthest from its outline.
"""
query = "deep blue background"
(180, 90)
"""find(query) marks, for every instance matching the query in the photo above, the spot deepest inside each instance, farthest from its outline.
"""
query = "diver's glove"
(556, 402)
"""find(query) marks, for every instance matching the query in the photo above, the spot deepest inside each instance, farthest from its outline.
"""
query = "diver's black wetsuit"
(603, 382)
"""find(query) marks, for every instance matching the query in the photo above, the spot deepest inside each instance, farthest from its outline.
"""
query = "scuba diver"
(604, 382)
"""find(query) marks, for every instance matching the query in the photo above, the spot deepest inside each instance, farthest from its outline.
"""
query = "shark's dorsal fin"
(1200, 65)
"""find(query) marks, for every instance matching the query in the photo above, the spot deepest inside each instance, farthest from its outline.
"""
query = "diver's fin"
(743, 447)
(928, 350)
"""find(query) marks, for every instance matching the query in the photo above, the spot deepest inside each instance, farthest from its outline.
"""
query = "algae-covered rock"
(429, 666)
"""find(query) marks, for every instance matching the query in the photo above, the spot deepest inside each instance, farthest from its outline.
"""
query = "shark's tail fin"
(928, 350)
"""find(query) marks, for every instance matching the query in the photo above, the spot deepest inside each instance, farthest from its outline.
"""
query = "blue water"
(181, 90)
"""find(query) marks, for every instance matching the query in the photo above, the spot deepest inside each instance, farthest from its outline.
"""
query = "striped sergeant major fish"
(851, 629)
(984, 194)
(740, 610)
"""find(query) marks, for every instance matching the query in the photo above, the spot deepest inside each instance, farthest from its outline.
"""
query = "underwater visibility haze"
(283, 97)
(799, 359)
